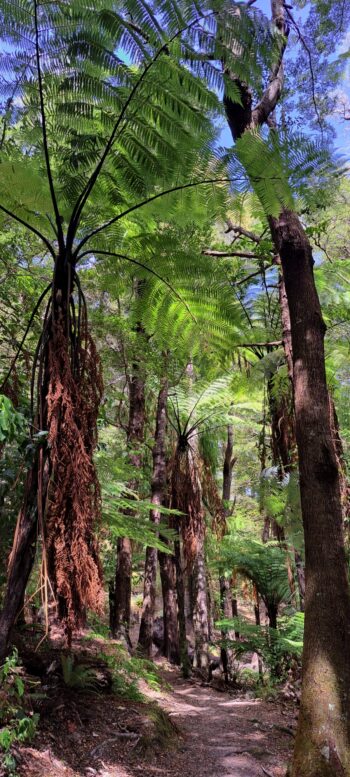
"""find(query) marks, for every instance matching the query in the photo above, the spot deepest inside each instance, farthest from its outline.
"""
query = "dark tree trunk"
(122, 592)
(21, 560)
(158, 493)
(300, 573)
(272, 612)
(322, 746)
(324, 714)
(180, 590)
(135, 435)
(171, 632)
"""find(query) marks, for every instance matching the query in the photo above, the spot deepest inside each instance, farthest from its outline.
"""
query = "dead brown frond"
(214, 503)
(72, 503)
(186, 496)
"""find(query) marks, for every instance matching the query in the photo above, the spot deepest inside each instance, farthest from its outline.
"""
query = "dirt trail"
(221, 735)
(228, 736)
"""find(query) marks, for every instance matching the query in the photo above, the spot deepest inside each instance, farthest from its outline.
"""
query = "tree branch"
(241, 231)
(263, 110)
(242, 254)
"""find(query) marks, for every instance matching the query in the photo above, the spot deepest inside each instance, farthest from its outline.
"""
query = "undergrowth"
(18, 722)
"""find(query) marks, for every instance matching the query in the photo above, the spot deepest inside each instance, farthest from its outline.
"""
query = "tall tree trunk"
(180, 590)
(323, 737)
(200, 611)
(228, 605)
(21, 560)
(157, 496)
(135, 435)
(171, 647)
(322, 746)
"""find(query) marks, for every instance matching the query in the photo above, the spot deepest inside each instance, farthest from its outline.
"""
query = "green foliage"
(262, 563)
(128, 671)
(12, 423)
(78, 676)
(17, 723)
(275, 647)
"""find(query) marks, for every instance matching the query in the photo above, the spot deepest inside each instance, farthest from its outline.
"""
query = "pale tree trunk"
(120, 619)
(227, 605)
(200, 610)
(157, 497)
(322, 745)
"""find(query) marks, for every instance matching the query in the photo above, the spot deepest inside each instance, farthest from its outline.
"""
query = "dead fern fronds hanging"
(213, 502)
(186, 496)
(73, 498)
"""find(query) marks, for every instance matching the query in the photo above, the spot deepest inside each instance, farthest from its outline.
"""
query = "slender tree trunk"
(158, 492)
(21, 560)
(228, 605)
(322, 745)
(257, 622)
(200, 612)
(180, 590)
(167, 566)
(123, 575)
(323, 737)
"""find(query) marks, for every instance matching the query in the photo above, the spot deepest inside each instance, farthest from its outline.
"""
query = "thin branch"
(254, 274)
(154, 197)
(144, 267)
(243, 232)
(307, 49)
(36, 308)
(44, 131)
(243, 254)
(29, 226)
(273, 343)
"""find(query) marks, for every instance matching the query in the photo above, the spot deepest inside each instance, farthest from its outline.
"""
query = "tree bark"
(322, 745)
(135, 435)
(200, 611)
(323, 735)
(157, 496)
(21, 560)
(228, 605)
(171, 648)
(180, 590)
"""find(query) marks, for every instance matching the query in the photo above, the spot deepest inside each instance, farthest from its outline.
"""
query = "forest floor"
(183, 728)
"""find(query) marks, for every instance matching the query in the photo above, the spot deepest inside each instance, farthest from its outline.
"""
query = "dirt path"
(227, 736)
(220, 735)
